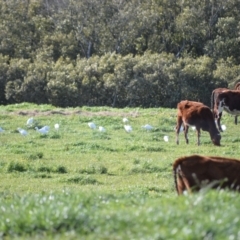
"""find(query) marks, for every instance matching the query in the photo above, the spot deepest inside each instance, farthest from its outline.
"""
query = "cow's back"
(195, 169)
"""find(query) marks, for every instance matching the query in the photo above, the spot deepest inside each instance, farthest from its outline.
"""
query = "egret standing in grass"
(43, 130)
(128, 128)
(224, 127)
(147, 127)
(1, 130)
(30, 122)
(101, 129)
(56, 126)
(22, 131)
(92, 125)
(166, 138)
(125, 120)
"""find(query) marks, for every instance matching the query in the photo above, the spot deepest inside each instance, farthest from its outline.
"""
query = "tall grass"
(81, 183)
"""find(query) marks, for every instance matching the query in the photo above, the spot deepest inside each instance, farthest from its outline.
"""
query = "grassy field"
(79, 183)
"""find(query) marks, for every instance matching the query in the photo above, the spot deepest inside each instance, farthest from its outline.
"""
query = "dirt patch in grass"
(77, 112)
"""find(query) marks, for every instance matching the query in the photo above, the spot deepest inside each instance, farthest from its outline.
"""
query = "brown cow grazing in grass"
(196, 114)
(195, 172)
(214, 96)
(228, 100)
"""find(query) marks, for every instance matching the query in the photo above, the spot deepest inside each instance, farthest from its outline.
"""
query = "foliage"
(111, 53)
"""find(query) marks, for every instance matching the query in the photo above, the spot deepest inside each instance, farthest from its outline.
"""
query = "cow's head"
(216, 139)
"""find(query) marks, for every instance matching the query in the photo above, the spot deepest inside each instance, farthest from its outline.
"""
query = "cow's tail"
(237, 86)
(212, 101)
(175, 167)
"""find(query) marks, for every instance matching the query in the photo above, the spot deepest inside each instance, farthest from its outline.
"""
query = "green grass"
(81, 183)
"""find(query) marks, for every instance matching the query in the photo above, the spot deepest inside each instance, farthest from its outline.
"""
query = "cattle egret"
(22, 131)
(125, 120)
(43, 130)
(1, 130)
(92, 125)
(166, 138)
(56, 126)
(181, 128)
(30, 121)
(47, 128)
(147, 127)
(224, 127)
(193, 128)
(102, 129)
(128, 128)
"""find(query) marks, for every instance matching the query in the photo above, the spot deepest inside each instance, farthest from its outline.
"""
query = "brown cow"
(196, 114)
(214, 96)
(228, 100)
(195, 172)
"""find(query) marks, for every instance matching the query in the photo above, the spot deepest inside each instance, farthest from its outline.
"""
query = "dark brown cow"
(214, 96)
(229, 101)
(195, 172)
(196, 114)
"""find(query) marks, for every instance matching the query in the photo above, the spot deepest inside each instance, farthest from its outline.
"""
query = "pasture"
(80, 183)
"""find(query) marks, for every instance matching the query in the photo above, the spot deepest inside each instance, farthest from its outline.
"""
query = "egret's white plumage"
(147, 127)
(223, 127)
(43, 130)
(166, 138)
(47, 128)
(56, 126)
(22, 131)
(193, 128)
(128, 128)
(102, 129)
(125, 120)
(181, 128)
(92, 125)
(1, 130)
(30, 121)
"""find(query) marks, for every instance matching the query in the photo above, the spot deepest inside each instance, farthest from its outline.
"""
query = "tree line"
(117, 53)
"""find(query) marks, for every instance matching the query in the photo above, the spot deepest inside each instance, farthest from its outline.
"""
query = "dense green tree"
(117, 53)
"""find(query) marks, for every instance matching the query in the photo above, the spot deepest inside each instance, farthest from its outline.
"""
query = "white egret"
(102, 129)
(166, 138)
(43, 130)
(193, 128)
(30, 121)
(128, 128)
(147, 127)
(56, 126)
(47, 128)
(22, 131)
(92, 125)
(223, 127)
(1, 130)
(125, 120)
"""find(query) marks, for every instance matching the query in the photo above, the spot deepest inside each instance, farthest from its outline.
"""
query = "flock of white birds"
(128, 128)
(30, 122)
(44, 130)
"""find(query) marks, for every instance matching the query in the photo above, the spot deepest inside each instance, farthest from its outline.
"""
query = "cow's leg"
(186, 133)
(179, 124)
(236, 119)
(219, 122)
(198, 135)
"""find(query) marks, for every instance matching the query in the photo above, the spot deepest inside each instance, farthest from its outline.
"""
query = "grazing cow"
(228, 100)
(214, 96)
(195, 172)
(196, 114)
